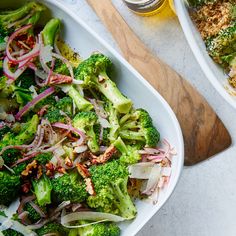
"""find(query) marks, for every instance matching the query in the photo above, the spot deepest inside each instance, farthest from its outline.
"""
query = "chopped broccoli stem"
(81, 103)
(42, 189)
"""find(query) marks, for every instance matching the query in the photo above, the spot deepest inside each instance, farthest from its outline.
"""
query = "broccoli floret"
(50, 31)
(86, 122)
(101, 229)
(26, 80)
(4, 130)
(44, 158)
(25, 136)
(33, 215)
(9, 187)
(11, 232)
(93, 71)
(113, 120)
(138, 126)
(222, 45)
(65, 104)
(42, 189)
(10, 156)
(69, 187)
(19, 168)
(52, 227)
(55, 115)
(81, 103)
(18, 15)
(129, 154)
(110, 183)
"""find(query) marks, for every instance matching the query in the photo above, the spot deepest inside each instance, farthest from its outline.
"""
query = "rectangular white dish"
(81, 38)
(212, 71)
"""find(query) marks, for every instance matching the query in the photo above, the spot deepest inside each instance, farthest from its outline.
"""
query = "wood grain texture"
(204, 133)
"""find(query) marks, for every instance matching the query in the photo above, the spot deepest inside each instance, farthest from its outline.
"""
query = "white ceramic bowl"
(80, 37)
(212, 71)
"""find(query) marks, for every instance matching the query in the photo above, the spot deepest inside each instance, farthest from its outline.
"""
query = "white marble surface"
(204, 202)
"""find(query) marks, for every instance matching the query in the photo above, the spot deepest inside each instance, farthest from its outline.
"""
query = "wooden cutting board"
(204, 133)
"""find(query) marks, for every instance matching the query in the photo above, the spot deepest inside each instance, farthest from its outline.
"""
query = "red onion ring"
(12, 37)
(71, 128)
(23, 202)
(12, 75)
(25, 158)
(32, 103)
(33, 53)
(37, 209)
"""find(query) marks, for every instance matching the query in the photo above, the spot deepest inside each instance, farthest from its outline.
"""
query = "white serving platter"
(213, 72)
(84, 40)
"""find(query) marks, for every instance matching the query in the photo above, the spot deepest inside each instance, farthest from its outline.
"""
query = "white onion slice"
(141, 170)
(81, 149)
(104, 122)
(152, 182)
(93, 216)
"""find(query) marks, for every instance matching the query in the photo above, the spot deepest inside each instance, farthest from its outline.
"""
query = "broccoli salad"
(74, 152)
(216, 21)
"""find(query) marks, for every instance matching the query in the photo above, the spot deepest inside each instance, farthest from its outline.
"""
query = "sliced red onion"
(32, 103)
(62, 206)
(76, 206)
(37, 209)
(154, 177)
(91, 216)
(24, 201)
(25, 159)
(23, 216)
(40, 224)
(51, 149)
(11, 38)
(12, 75)
(141, 170)
(70, 128)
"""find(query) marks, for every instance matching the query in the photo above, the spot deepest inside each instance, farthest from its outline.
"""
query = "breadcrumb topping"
(212, 17)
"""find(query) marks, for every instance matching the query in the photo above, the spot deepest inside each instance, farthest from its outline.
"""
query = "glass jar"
(146, 7)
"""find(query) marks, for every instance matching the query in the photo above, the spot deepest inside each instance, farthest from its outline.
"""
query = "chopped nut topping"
(84, 172)
(30, 168)
(212, 17)
(68, 162)
(89, 186)
(106, 155)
